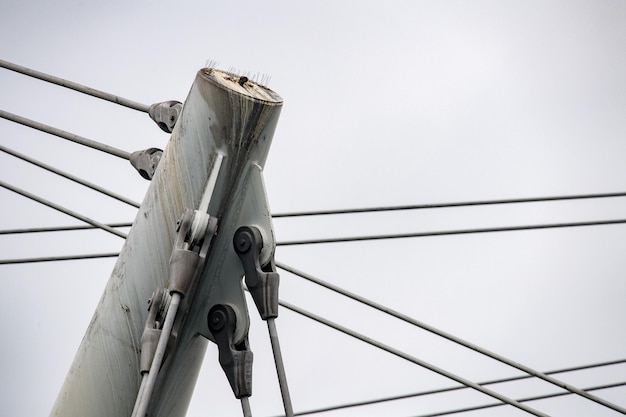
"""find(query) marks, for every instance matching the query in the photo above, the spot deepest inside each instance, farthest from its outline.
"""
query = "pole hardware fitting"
(146, 161)
(261, 280)
(195, 231)
(157, 309)
(235, 359)
(165, 114)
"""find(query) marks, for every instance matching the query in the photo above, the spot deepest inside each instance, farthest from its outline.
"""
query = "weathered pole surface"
(213, 163)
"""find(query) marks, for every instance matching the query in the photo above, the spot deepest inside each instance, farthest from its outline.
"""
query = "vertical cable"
(280, 367)
(245, 407)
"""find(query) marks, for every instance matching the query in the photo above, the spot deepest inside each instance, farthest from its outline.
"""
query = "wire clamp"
(146, 161)
(235, 359)
(157, 309)
(195, 231)
(165, 114)
(261, 280)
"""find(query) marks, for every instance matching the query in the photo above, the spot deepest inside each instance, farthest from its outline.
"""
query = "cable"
(74, 86)
(69, 176)
(280, 367)
(143, 400)
(449, 389)
(411, 359)
(535, 398)
(447, 205)
(63, 210)
(58, 229)
(448, 232)
(453, 338)
(65, 135)
(362, 238)
(245, 407)
(57, 258)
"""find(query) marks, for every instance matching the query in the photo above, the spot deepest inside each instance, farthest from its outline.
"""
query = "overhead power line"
(69, 176)
(412, 359)
(63, 209)
(75, 86)
(451, 338)
(374, 237)
(448, 232)
(447, 205)
(455, 388)
(360, 238)
(65, 135)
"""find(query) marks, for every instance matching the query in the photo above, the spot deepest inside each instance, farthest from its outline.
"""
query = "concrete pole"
(213, 163)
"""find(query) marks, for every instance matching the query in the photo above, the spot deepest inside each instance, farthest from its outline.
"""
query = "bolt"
(217, 320)
(243, 241)
(242, 80)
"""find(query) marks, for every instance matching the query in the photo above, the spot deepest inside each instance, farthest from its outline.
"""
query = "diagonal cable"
(57, 258)
(63, 210)
(74, 86)
(521, 400)
(69, 176)
(453, 338)
(412, 359)
(65, 135)
(454, 388)
(59, 228)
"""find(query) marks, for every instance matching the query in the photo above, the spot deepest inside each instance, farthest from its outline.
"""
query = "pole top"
(241, 84)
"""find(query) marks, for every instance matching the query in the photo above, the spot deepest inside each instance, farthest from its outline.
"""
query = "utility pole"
(180, 260)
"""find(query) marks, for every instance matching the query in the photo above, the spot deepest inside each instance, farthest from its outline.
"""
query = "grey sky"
(384, 103)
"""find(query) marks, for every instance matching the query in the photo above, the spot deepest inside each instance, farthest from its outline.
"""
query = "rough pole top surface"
(241, 84)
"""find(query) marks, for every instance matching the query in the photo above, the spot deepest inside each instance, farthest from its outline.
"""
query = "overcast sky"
(385, 103)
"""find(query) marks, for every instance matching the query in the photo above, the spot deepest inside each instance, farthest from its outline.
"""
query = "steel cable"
(65, 135)
(412, 359)
(453, 338)
(448, 205)
(74, 86)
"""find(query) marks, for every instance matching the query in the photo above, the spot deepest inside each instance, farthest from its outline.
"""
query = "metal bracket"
(157, 309)
(146, 161)
(195, 231)
(165, 114)
(262, 281)
(236, 360)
